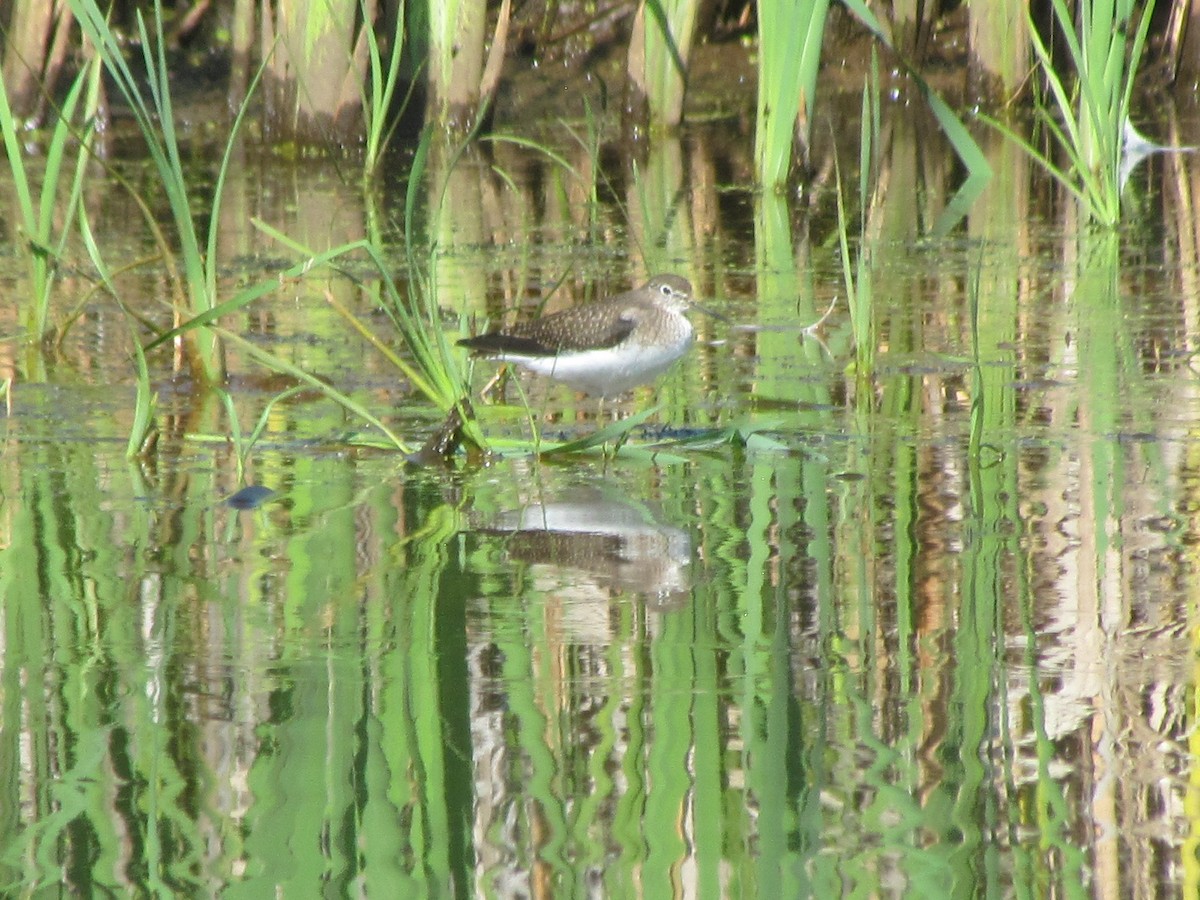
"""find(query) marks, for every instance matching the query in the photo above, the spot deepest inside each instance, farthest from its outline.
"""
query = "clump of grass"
(310, 263)
(379, 93)
(659, 50)
(856, 275)
(152, 109)
(789, 41)
(38, 199)
(447, 384)
(432, 365)
(790, 36)
(1086, 119)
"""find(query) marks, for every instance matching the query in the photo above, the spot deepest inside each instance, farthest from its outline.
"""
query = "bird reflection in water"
(620, 546)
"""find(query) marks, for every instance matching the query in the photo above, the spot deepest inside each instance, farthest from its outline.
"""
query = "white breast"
(611, 371)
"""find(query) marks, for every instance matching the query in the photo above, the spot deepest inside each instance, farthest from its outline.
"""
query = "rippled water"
(928, 632)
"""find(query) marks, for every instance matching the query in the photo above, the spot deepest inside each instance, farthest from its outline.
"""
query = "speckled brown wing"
(593, 326)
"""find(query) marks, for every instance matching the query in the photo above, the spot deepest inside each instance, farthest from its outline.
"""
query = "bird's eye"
(666, 290)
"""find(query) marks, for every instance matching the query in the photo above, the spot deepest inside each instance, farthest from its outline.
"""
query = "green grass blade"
(214, 226)
(612, 433)
(377, 96)
(12, 146)
(260, 289)
(284, 367)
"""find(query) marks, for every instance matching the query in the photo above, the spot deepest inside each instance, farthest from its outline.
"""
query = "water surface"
(927, 632)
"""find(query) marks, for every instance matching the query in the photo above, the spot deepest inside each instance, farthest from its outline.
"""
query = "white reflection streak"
(150, 593)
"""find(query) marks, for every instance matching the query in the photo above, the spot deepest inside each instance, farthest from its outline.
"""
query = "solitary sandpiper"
(603, 348)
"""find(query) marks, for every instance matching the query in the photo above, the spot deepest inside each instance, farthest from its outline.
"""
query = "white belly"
(608, 372)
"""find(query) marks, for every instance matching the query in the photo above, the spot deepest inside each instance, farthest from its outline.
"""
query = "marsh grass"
(431, 364)
(857, 268)
(244, 443)
(153, 112)
(659, 50)
(406, 321)
(144, 426)
(1085, 115)
(143, 429)
(589, 141)
(39, 206)
(196, 291)
(790, 35)
(979, 172)
(419, 323)
(379, 93)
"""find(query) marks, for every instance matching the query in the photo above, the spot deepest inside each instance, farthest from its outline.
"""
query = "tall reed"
(659, 50)
(1086, 120)
(790, 36)
(38, 202)
(378, 94)
(790, 33)
(857, 274)
(153, 112)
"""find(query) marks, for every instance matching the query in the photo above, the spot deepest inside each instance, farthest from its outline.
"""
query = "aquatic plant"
(790, 33)
(790, 37)
(378, 93)
(44, 220)
(310, 262)
(856, 270)
(659, 49)
(143, 429)
(965, 146)
(438, 362)
(153, 112)
(1086, 119)
(242, 442)
(432, 365)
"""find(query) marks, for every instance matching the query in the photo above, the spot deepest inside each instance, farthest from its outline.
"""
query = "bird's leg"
(498, 378)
